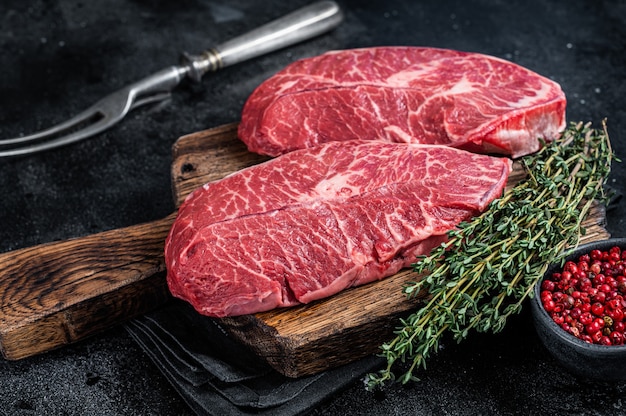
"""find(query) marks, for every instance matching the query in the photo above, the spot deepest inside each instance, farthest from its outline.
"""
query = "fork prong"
(39, 144)
(85, 124)
(150, 99)
(90, 122)
(97, 118)
(66, 125)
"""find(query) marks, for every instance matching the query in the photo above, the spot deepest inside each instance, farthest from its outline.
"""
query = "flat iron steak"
(404, 94)
(313, 222)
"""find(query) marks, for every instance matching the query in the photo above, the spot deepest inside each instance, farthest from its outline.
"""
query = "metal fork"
(302, 24)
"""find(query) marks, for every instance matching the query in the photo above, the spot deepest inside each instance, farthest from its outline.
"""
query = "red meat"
(404, 94)
(313, 222)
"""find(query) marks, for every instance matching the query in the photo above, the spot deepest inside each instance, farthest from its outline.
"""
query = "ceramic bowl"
(579, 357)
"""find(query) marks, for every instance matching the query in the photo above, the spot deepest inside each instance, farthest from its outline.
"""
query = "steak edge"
(313, 222)
(404, 94)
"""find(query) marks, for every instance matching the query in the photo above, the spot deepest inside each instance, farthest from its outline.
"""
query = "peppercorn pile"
(586, 298)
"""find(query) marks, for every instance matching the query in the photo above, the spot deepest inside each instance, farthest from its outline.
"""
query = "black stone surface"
(60, 56)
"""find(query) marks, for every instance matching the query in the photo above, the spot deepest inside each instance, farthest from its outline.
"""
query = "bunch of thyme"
(490, 264)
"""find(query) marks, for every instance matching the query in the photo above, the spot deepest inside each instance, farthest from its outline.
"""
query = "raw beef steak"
(404, 94)
(310, 223)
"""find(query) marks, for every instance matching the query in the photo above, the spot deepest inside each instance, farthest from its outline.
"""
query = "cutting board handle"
(61, 292)
(57, 293)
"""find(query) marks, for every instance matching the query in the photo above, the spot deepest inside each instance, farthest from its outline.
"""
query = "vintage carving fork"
(292, 28)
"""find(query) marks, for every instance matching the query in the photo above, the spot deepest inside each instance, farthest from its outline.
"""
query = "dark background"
(58, 57)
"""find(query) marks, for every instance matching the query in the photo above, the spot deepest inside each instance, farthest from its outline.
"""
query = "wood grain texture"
(309, 338)
(58, 293)
(206, 156)
(61, 292)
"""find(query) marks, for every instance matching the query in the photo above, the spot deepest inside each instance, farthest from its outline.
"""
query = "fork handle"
(295, 27)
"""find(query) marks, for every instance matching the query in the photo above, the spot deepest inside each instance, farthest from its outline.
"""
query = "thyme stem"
(481, 275)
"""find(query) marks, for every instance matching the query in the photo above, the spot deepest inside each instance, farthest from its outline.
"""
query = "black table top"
(60, 56)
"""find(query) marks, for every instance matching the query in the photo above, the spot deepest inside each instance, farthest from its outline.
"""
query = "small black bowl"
(604, 362)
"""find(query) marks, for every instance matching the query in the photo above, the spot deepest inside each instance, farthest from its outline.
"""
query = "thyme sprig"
(490, 264)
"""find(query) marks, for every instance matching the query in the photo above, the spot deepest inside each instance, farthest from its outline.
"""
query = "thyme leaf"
(489, 265)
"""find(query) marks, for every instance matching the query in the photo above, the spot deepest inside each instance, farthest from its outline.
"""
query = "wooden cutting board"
(61, 292)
